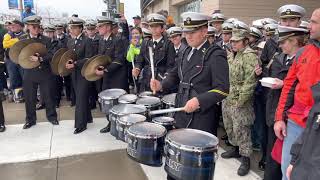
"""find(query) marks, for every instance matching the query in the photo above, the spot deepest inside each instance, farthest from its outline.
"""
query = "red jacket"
(296, 97)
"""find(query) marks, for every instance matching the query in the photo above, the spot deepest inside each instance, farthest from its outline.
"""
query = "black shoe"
(262, 164)
(54, 122)
(225, 137)
(2, 128)
(105, 129)
(227, 142)
(28, 125)
(232, 153)
(79, 130)
(40, 106)
(244, 167)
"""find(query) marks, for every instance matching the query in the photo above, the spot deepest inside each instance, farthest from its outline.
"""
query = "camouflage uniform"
(237, 108)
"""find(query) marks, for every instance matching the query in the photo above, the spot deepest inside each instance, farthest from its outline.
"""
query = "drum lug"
(216, 156)
(155, 144)
(165, 148)
(135, 144)
(199, 160)
(178, 156)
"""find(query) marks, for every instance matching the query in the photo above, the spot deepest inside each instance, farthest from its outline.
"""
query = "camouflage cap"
(239, 34)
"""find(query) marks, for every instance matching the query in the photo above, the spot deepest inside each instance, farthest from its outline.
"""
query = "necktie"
(191, 53)
(155, 43)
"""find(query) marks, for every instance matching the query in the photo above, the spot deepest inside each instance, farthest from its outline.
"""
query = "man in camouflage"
(237, 108)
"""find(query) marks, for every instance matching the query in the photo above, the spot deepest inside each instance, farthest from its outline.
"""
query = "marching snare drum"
(109, 98)
(151, 103)
(145, 143)
(167, 122)
(123, 109)
(169, 102)
(190, 154)
(145, 94)
(128, 99)
(125, 122)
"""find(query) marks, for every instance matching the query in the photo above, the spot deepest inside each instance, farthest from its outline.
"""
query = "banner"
(13, 4)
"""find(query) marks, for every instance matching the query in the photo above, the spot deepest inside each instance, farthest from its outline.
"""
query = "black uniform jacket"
(205, 76)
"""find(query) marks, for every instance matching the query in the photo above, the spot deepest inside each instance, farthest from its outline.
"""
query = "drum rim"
(126, 122)
(112, 98)
(166, 123)
(166, 102)
(150, 105)
(133, 105)
(141, 94)
(126, 101)
(147, 136)
(191, 148)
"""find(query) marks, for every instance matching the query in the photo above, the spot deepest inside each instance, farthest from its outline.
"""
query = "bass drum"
(190, 154)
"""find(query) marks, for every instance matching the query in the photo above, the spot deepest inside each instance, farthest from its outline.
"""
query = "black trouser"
(70, 93)
(83, 112)
(273, 169)
(59, 89)
(1, 114)
(31, 80)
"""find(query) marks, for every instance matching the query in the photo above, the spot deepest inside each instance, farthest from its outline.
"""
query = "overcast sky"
(85, 8)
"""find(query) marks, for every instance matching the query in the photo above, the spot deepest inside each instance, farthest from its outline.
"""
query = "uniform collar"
(157, 40)
(178, 46)
(199, 47)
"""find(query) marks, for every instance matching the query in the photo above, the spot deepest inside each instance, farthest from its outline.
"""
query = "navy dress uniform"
(177, 31)
(95, 87)
(146, 34)
(203, 72)
(291, 11)
(62, 43)
(211, 34)
(116, 74)
(258, 36)
(81, 46)
(163, 55)
(226, 30)
(39, 76)
(217, 18)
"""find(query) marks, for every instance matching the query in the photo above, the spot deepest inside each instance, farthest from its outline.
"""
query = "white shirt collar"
(106, 38)
(178, 46)
(157, 40)
(78, 37)
(290, 57)
(199, 47)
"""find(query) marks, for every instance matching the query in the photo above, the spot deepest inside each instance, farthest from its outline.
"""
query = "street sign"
(28, 3)
(121, 8)
(13, 4)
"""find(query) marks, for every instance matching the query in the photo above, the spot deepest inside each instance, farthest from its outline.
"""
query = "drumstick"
(134, 78)
(164, 111)
(152, 64)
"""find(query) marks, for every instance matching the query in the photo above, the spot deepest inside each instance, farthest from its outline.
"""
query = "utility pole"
(21, 9)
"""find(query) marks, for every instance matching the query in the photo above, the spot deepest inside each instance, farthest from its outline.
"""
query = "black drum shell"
(122, 128)
(145, 152)
(113, 118)
(186, 165)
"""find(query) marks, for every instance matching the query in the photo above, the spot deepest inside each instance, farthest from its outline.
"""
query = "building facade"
(246, 10)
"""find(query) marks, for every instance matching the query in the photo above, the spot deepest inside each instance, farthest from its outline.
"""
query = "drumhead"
(169, 99)
(163, 120)
(132, 119)
(146, 94)
(109, 94)
(123, 109)
(149, 101)
(192, 140)
(127, 98)
(147, 130)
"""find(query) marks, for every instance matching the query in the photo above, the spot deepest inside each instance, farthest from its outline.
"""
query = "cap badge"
(288, 11)
(152, 19)
(188, 20)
